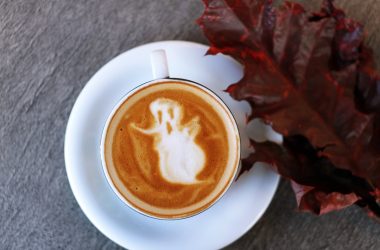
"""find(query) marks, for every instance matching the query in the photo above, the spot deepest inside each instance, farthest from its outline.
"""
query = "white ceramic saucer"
(232, 216)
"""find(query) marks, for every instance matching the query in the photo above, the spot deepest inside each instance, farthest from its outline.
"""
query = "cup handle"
(159, 64)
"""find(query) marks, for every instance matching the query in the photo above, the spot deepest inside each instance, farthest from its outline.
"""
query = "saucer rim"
(70, 173)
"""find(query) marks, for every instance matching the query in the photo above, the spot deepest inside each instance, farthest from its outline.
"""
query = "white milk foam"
(180, 158)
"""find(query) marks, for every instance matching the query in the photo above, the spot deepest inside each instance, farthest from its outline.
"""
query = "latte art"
(180, 158)
(171, 149)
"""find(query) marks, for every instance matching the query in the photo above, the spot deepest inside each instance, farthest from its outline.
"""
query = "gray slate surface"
(48, 51)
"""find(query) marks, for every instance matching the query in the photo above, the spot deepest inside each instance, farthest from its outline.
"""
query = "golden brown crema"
(171, 149)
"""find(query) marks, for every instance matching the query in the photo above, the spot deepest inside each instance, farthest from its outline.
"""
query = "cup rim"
(117, 106)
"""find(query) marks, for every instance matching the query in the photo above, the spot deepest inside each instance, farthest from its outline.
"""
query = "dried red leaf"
(319, 186)
(310, 199)
(312, 79)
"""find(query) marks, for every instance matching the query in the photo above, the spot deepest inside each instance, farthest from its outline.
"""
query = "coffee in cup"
(170, 148)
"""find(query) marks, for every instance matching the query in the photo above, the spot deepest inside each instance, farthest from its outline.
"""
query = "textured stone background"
(48, 51)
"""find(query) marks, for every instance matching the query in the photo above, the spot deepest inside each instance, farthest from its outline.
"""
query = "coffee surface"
(169, 147)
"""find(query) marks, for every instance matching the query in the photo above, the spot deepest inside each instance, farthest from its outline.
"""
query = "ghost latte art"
(171, 149)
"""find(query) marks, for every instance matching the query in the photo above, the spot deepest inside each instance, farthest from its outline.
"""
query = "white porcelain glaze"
(232, 216)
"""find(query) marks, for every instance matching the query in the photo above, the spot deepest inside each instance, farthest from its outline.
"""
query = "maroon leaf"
(319, 186)
(312, 79)
(320, 202)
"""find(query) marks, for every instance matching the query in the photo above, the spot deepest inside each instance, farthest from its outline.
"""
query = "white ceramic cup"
(160, 72)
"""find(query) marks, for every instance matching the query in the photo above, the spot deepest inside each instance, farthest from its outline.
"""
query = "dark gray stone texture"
(48, 51)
